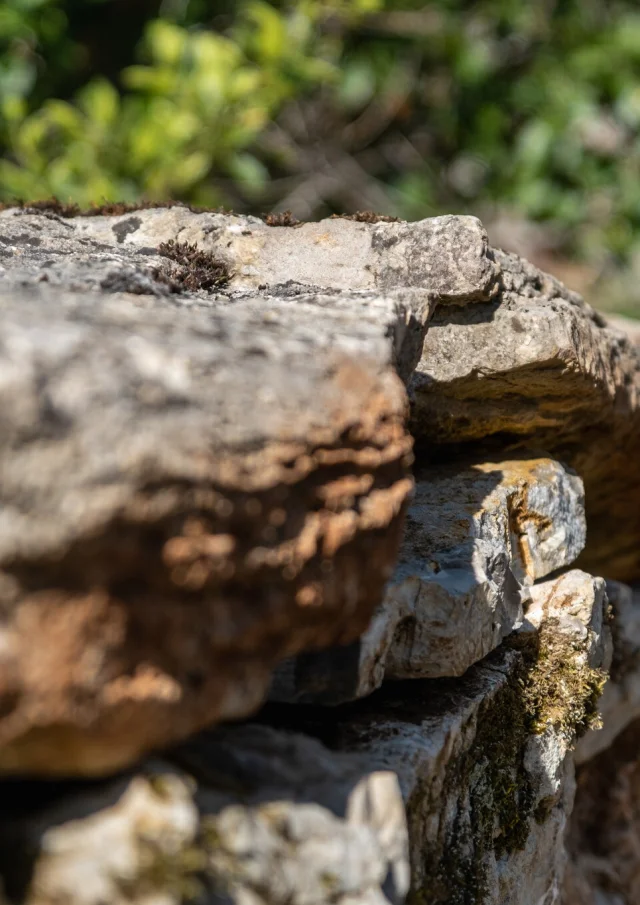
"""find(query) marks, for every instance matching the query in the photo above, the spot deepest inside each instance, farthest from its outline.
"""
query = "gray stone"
(473, 538)
(250, 815)
(256, 814)
(536, 366)
(620, 701)
(485, 761)
(188, 494)
(445, 255)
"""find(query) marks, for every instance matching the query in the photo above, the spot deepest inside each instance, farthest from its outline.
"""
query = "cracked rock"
(257, 813)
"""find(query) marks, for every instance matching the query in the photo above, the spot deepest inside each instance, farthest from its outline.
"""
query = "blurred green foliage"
(504, 108)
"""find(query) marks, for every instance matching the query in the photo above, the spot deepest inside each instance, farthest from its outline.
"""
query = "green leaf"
(100, 101)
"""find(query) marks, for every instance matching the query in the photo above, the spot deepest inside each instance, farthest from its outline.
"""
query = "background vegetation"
(524, 113)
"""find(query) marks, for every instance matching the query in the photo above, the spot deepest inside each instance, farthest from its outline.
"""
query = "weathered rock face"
(620, 702)
(535, 366)
(204, 468)
(481, 763)
(446, 257)
(604, 834)
(270, 817)
(484, 761)
(512, 356)
(188, 494)
(169, 252)
(474, 538)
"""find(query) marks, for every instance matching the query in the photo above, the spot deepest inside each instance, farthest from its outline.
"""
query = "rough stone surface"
(620, 701)
(188, 494)
(445, 255)
(269, 816)
(242, 815)
(604, 837)
(473, 538)
(484, 761)
(536, 366)
(204, 468)
(441, 260)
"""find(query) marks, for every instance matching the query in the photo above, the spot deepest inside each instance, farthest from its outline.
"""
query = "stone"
(239, 815)
(204, 468)
(468, 780)
(620, 702)
(447, 256)
(474, 537)
(603, 841)
(99, 254)
(535, 367)
(485, 761)
(189, 493)
(628, 325)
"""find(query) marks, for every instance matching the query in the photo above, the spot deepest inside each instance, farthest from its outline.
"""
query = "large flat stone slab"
(448, 256)
(513, 358)
(536, 366)
(189, 493)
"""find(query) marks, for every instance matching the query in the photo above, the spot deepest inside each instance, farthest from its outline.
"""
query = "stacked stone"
(210, 498)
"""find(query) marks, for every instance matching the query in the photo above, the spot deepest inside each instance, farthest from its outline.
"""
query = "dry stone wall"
(376, 478)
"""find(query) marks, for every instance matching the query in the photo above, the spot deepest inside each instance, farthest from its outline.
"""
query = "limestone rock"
(620, 701)
(473, 538)
(252, 816)
(484, 761)
(516, 855)
(535, 366)
(259, 814)
(516, 360)
(440, 260)
(189, 492)
(447, 256)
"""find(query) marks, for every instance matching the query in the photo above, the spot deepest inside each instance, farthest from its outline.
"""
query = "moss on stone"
(179, 874)
(562, 690)
(495, 818)
(551, 686)
(199, 269)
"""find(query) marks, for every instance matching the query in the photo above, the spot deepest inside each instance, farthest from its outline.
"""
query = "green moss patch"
(550, 688)
(562, 690)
